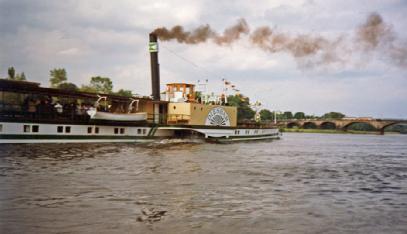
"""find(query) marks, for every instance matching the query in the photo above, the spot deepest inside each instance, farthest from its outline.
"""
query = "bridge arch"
(328, 125)
(365, 126)
(310, 125)
(391, 124)
(293, 125)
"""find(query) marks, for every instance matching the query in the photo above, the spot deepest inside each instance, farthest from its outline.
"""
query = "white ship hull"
(13, 132)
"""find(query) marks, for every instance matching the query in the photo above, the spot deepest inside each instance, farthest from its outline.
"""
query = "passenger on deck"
(41, 108)
(26, 104)
(79, 109)
(32, 107)
(72, 108)
(58, 107)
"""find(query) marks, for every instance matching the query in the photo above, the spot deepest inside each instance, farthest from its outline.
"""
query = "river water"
(303, 183)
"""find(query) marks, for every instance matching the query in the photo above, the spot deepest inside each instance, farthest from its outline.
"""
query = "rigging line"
(181, 57)
(190, 62)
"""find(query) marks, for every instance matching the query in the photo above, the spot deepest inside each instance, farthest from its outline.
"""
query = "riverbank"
(331, 131)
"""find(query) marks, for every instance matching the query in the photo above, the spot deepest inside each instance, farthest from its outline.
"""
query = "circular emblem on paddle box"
(218, 117)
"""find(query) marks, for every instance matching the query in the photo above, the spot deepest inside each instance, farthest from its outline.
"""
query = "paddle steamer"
(30, 113)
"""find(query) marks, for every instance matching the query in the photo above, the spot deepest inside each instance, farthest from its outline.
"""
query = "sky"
(110, 38)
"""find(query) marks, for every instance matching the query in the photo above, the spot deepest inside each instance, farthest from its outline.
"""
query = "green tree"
(98, 84)
(266, 115)
(68, 86)
(58, 76)
(198, 95)
(125, 93)
(244, 111)
(287, 115)
(11, 73)
(311, 117)
(299, 115)
(20, 77)
(333, 115)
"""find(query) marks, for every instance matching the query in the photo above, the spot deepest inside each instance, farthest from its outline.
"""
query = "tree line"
(246, 112)
(12, 75)
(269, 115)
(59, 80)
(97, 84)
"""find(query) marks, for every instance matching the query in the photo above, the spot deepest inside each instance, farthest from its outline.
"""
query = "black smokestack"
(155, 67)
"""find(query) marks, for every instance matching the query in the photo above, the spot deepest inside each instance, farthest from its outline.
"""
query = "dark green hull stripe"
(152, 131)
(245, 138)
(240, 140)
(254, 136)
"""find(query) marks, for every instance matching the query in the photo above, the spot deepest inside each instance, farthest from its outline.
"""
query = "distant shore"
(332, 131)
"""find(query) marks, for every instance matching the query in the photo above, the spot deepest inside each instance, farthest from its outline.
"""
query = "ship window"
(144, 131)
(67, 129)
(60, 129)
(26, 128)
(138, 131)
(35, 128)
(1, 127)
(121, 130)
(97, 130)
(89, 129)
(116, 130)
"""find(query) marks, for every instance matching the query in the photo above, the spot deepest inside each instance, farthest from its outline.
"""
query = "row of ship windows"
(237, 132)
(67, 129)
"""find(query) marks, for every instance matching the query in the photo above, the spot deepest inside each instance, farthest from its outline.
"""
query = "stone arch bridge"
(340, 124)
